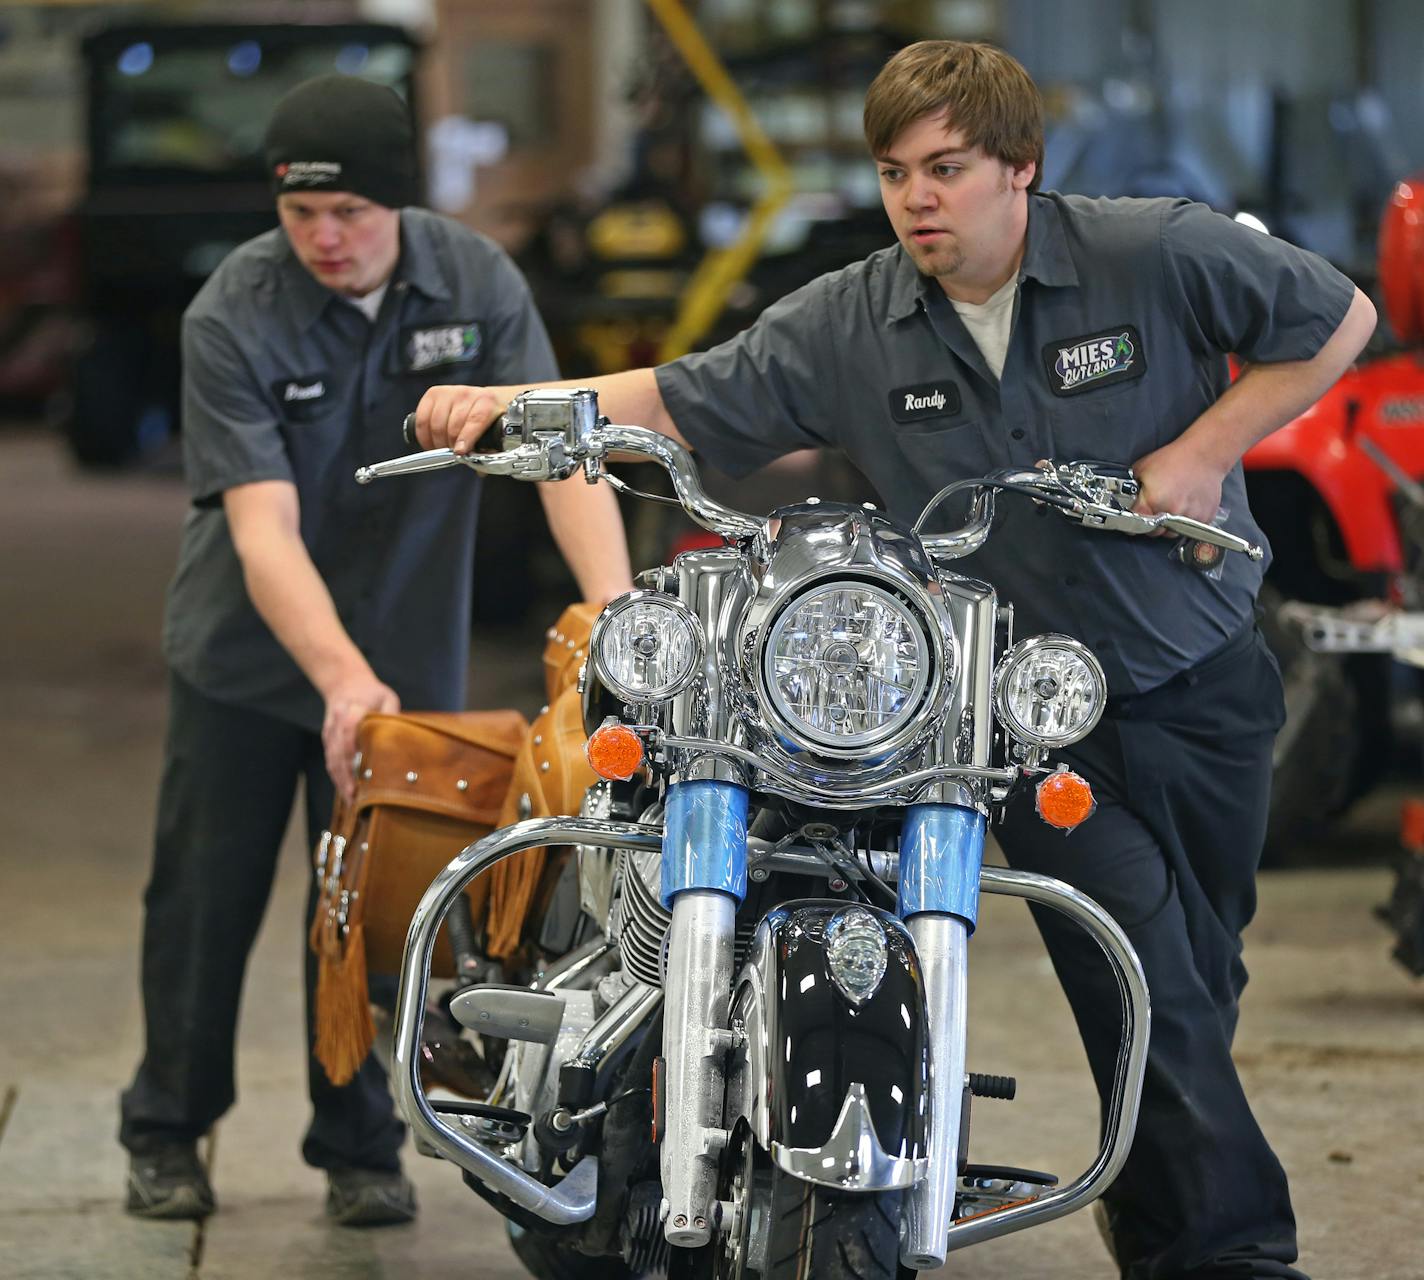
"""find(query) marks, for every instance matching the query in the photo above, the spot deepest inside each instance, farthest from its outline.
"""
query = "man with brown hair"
(1006, 326)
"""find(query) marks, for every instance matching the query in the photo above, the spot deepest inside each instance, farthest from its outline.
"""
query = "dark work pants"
(229, 779)
(1182, 778)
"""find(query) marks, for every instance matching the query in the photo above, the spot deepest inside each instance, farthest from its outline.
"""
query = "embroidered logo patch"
(441, 344)
(308, 173)
(1084, 364)
(925, 400)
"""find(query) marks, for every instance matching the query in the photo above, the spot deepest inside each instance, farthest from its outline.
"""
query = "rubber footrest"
(1002, 1087)
(465, 1107)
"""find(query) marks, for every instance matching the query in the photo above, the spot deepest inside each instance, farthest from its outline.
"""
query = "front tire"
(795, 1230)
(816, 1232)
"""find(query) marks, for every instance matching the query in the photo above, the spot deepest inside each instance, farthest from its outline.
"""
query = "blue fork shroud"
(941, 856)
(705, 847)
(705, 839)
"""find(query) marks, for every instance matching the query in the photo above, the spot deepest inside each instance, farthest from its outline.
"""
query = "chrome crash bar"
(1131, 1059)
(572, 1200)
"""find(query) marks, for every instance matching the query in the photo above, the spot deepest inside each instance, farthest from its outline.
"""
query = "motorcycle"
(752, 1062)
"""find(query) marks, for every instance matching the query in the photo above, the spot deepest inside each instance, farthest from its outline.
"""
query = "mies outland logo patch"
(1082, 364)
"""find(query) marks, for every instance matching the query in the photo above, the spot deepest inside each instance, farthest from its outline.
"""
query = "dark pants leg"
(229, 779)
(1182, 779)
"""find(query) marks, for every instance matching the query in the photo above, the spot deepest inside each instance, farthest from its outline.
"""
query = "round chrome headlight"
(646, 646)
(846, 665)
(1049, 691)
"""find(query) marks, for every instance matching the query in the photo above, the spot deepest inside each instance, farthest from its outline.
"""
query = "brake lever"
(411, 464)
(545, 459)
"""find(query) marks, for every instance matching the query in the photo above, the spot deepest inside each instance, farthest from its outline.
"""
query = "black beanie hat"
(342, 133)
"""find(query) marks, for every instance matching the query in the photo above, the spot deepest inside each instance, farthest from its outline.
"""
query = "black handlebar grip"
(408, 431)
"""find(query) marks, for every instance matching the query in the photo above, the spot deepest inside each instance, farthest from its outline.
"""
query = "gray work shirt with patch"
(285, 380)
(1125, 311)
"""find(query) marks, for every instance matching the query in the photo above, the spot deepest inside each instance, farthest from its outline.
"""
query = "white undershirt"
(369, 304)
(988, 323)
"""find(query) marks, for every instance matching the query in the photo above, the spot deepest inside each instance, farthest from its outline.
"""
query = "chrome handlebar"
(550, 434)
(1097, 495)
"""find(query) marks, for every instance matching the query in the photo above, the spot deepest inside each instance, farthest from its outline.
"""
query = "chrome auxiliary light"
(646, 646)
(1049, 691)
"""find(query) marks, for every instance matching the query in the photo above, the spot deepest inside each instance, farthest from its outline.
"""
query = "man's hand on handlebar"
(456, 417)
(1177, 479)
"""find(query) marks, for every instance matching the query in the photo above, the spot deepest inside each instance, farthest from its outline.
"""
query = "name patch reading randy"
(1075, 365)
(926, 400)
(441, 344)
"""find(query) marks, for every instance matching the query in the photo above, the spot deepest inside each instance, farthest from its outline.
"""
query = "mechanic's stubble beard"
(943, 263)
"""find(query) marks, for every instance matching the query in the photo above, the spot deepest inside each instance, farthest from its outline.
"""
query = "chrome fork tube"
(942, 941)
(941, 857)
(704, 879)
(699, 978)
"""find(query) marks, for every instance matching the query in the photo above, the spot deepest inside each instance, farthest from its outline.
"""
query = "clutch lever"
(1101, 516)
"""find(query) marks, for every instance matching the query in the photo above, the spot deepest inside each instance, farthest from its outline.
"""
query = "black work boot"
(169, 1183)
(369, 1197)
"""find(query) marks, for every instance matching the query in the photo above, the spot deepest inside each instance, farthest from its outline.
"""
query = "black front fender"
(808, 1043)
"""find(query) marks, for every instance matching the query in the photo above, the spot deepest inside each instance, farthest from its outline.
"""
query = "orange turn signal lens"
(1411, 826)
(1064, 799)
(615, 752)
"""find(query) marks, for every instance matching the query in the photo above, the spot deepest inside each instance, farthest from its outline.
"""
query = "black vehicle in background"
(175, 120)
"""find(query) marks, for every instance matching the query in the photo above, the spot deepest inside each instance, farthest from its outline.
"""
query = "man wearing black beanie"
(303, 601)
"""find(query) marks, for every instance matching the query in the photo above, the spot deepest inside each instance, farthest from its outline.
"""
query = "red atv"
(1335, 492)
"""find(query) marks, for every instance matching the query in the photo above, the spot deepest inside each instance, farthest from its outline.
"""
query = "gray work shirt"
(285, 380)
(1125, 309)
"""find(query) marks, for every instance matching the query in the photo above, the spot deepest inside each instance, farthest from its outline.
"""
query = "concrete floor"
(1331, 1043)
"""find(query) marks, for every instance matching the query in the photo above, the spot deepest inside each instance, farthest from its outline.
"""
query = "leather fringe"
(344, 1029)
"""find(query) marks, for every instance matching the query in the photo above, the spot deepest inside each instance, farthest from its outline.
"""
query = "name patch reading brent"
(441, 344)
(1075, 365)
(300, 392)
(926, 400)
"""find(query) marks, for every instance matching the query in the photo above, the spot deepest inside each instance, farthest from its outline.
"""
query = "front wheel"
(789, 1230)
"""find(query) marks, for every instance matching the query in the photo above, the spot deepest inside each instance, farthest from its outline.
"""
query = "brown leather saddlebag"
(427, 785)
